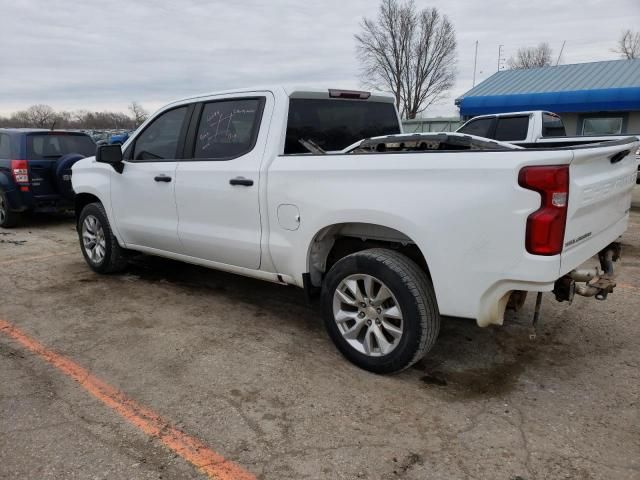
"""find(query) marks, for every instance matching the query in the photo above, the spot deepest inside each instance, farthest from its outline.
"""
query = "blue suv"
(35, 170)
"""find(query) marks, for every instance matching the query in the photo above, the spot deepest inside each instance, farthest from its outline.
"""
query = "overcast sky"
(103, 54)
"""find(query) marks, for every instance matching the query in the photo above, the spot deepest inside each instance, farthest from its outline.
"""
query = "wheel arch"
(81, 200)
(336, 241)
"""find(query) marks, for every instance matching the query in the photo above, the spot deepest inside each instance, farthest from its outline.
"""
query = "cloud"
(103, 55)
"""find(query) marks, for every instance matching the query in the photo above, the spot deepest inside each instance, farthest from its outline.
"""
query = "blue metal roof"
(598, 86)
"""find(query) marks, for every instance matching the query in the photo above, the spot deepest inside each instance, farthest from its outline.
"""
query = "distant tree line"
(43, 116)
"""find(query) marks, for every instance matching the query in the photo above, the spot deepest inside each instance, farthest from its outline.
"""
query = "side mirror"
(111, 154)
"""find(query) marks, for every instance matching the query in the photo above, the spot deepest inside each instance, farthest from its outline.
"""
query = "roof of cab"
(293, 91)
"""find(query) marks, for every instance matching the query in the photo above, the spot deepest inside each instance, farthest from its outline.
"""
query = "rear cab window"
(50, 146)
(552, 126)
(480, 127)
(334, 124)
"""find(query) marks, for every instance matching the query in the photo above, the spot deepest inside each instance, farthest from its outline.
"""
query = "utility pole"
(475, 64)
(560, 54)
(499, 55)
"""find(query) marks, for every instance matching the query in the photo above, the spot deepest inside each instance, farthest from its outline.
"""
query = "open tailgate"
(602, 177)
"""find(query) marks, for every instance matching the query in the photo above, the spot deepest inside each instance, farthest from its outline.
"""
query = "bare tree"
(532, 57)
(408, 52)
(139, 114)
(41, 116)
(629, 45)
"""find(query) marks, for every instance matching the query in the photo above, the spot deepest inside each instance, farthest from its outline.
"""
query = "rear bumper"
(22, 202)
(494, 300)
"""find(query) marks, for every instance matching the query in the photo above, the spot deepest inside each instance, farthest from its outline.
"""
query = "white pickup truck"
(393, 231)
(532, 129)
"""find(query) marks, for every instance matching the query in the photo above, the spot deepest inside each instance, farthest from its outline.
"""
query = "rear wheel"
(8, 218)
(98, 244)
(380, 310)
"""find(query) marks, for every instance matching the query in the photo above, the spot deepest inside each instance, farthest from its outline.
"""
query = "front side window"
(228, 128)
(602, 126)
(160, 139)
(510, 129)
(479, 127)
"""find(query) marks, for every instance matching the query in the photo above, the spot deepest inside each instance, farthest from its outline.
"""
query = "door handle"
(162, 178)
(245, 182)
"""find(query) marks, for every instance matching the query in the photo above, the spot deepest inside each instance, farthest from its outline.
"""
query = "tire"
(411, 298)
(63, 174)
(106, 256)
(8, 219)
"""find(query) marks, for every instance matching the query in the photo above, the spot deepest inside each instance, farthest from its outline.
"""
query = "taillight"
(545, 226)
(20, 171)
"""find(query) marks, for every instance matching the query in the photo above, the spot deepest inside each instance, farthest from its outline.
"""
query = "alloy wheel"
(368, 315)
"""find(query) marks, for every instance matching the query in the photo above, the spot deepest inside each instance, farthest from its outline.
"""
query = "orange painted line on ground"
(29, 259)
(626, 285)
(191, 449)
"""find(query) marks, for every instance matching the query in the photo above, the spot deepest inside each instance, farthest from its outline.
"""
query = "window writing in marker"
(226, 128)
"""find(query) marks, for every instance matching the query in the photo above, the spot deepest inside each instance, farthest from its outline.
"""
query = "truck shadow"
(467, 362)
(43, 220)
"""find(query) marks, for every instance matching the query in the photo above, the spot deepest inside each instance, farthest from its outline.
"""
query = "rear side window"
(46, 146)
(5, 146)
(512, 128)
(479, 127)
(336, 124)
(228, 128)
(552, 126)
(160, 139)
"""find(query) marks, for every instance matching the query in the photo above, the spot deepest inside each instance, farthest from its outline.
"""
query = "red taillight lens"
(545, 226)
(20, 170)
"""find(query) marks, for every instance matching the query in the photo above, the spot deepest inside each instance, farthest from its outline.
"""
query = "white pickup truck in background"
(532, 129)
(395, 231)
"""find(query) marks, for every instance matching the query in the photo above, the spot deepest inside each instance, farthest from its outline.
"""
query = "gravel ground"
(246, 367)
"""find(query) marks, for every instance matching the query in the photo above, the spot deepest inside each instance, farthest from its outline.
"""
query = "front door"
(143, 195)
(217, 187)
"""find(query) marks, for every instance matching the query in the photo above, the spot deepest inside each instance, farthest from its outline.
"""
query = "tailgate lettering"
(577, 239)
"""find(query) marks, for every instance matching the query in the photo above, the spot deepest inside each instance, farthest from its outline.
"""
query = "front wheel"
(380, 310)
(99, 246)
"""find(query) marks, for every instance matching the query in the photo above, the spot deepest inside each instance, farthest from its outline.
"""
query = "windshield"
(335, 124)
(45, 146)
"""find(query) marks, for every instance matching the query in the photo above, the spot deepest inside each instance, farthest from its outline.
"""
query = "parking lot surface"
(245, 368)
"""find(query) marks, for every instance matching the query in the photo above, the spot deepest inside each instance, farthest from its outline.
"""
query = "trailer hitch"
(594, 282)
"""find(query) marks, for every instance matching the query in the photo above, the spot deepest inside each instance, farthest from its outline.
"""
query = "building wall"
(431, 125)
(634, 123)
(573, 121)
(570, 121)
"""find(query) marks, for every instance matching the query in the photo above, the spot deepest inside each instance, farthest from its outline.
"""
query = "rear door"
(43, 149)
(143, 195)
(601, 183)
(218, 183)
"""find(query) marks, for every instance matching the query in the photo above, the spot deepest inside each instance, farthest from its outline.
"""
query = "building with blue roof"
(594, 98)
